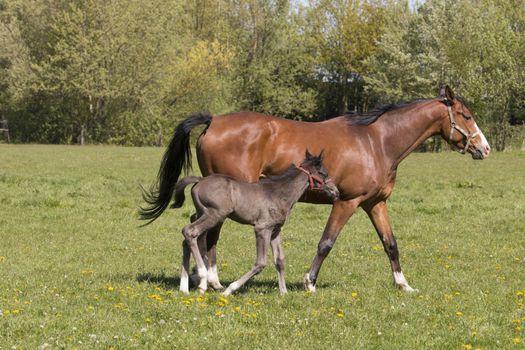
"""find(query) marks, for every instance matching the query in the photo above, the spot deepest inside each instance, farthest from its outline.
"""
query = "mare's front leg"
(262, 241)
(278, 259)
(379, 216)
(341, 212)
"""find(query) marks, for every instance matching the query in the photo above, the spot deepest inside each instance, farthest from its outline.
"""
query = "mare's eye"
(467, 117)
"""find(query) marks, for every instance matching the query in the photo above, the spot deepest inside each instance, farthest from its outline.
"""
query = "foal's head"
(460, 129)
(318, 175)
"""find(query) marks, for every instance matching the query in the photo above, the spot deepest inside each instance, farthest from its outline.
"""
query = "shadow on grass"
(257, 286)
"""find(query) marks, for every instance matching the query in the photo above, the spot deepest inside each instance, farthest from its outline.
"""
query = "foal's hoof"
(226, 293)
(308, 285)
(215, 285)
(407, 288)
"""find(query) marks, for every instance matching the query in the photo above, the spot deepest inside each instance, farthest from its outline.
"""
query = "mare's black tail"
(176, 158)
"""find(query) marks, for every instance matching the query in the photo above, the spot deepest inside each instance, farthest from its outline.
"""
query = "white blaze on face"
(485, 147)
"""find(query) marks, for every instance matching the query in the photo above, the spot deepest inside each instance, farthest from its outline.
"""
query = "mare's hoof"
(308, 285)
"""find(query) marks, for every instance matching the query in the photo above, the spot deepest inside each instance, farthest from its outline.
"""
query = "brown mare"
(361, 153)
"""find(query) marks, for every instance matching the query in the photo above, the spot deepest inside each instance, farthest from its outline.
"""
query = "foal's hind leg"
(191, 233)
(262, 242)
(379, 216)
(212, 236)
(184, 275)
(278, 259)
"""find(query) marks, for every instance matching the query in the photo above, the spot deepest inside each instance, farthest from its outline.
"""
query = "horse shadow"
(259, 286)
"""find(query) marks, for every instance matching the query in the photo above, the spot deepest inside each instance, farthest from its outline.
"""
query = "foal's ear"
(307, 154)
(446, 93)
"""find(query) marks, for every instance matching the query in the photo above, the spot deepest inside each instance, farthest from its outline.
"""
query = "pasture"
(76, 271)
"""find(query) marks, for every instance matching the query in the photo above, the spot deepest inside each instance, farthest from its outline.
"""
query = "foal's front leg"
(262, 241)
(278, 260)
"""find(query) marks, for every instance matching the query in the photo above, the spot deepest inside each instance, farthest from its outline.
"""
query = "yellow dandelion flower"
(354, 294)
(459, 313)
(110, 288)
(467, 346)
(15, 312)
(520, 293)
(155, 297)
(517, 340)
(219, 313)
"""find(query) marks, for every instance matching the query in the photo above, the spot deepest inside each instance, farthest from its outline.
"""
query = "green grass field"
(76, 271)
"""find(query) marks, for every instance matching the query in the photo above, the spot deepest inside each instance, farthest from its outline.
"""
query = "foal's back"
(223, 196)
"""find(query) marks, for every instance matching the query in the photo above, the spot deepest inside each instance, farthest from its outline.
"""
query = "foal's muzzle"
(331, 190)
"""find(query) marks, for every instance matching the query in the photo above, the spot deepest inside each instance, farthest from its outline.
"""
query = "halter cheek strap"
(454, 126)
(312, 178)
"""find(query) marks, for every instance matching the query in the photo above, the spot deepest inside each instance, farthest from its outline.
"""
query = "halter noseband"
(454, 126)
(312, 177)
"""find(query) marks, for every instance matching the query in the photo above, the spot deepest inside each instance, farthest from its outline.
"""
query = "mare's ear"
(321, 155)
(447, 94)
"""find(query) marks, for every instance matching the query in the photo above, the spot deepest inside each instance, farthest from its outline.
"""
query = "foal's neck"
(289, 189)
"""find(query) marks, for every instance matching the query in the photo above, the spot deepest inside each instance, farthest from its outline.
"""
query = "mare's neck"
(407, 127)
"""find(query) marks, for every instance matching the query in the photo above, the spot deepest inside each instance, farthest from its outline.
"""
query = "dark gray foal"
(265, 205)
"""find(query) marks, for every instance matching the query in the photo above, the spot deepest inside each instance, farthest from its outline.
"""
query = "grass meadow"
(76, 271)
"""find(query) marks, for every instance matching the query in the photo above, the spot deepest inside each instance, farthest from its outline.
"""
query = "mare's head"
(460, 129)
(318, 175)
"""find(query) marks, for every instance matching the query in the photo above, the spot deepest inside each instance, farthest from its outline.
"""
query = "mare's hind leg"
(379, 215)
(278, 259)
(262, 242)
(191, 233)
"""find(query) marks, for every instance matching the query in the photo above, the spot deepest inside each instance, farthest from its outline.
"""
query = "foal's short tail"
(179, 189)
(176, 158)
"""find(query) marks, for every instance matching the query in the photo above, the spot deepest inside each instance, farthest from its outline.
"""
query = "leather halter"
(312, 177)
(454, 126)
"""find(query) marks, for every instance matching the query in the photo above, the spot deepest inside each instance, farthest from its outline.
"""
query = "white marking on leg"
(203, 285)
(401, 282)
(213, 278)
(184, 283)
(231, 288)
(308, 285)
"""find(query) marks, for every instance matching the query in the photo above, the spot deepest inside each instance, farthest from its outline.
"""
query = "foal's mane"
(291, 170)
(368, 118)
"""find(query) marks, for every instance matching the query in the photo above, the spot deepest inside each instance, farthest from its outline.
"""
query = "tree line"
(122, 71)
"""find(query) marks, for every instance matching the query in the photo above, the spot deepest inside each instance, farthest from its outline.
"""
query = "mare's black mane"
(368, 118)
